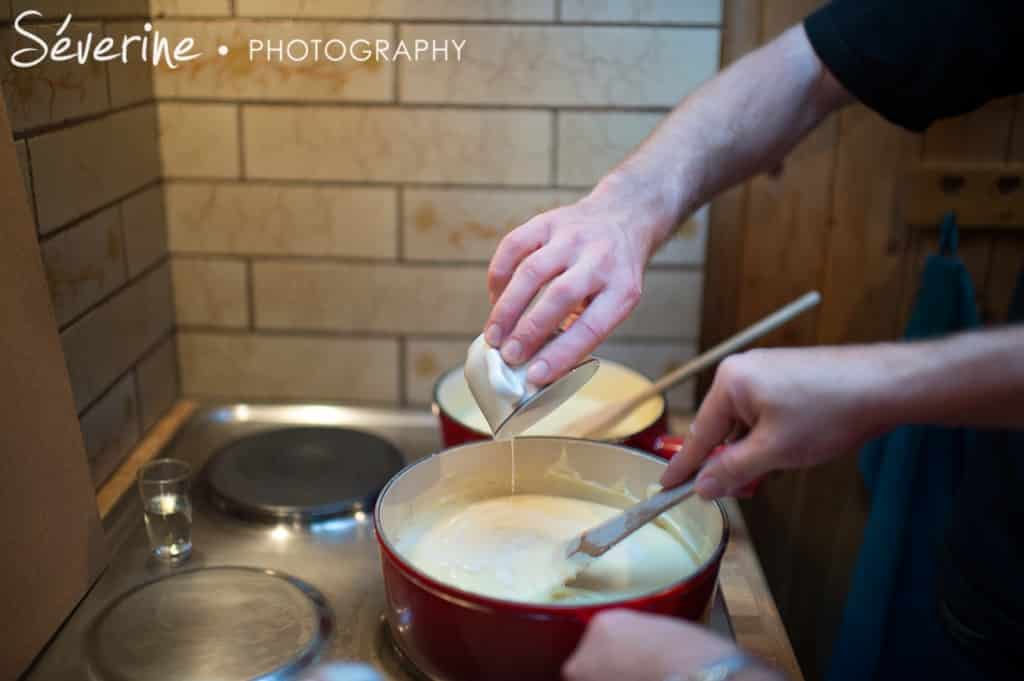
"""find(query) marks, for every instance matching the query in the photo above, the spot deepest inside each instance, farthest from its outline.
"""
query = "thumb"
(735, 466)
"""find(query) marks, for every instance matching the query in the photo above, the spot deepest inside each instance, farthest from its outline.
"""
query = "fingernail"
(493, 335)
(538, 372)
(512, 351)
(709, 487)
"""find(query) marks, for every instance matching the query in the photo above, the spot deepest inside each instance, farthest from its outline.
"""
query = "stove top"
(309, 544)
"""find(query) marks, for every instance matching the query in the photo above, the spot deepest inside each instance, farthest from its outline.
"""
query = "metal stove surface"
(338, 556)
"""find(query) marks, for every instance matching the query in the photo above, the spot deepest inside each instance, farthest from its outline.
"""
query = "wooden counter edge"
(123, 479)
(755, 618)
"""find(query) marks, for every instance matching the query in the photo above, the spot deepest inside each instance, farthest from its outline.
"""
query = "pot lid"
(302, 473)
(216, 624)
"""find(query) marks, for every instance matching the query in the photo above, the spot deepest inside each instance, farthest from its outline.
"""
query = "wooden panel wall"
(830, 221)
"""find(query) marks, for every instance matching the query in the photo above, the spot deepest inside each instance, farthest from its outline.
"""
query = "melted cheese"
(512, 547)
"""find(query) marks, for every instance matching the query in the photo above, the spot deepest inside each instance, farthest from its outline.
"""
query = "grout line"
(385, 184)
(241, 141)
(432, 263)
(558, 11)
(124, 241)
(50, 234)
(32, 188)
(439, 105)
(396, 33)
(66, 123)
(355, 334)
(400, 223)
(250, 293)
(107, 297)
(104, 27)
(403, 388)
(554, 148)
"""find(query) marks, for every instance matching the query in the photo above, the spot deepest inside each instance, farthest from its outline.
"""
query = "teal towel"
(890, 627)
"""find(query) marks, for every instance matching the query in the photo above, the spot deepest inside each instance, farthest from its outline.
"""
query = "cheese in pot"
(612, 383)
(512, 547)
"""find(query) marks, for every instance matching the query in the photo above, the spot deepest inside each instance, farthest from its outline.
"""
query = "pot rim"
(476, 600)
(438, 407)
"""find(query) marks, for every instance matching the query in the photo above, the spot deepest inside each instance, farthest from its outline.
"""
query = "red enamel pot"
(647, 427)
(453, 634)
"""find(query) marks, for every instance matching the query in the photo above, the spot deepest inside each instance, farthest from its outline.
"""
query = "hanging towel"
(890, 627)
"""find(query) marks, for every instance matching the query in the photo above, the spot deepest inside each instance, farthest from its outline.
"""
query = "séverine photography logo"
(151, 46)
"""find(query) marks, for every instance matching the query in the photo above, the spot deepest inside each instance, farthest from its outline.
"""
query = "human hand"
(623, 645)
(590, 256)
(797, 408)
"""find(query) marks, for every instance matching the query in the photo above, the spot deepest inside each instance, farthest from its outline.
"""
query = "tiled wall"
(87, 140)
(330, 226)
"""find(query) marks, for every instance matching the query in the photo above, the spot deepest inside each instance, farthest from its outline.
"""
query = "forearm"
(742, 122)
(970, 379)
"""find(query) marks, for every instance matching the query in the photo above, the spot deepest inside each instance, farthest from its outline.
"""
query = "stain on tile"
(84, 263)
(393, 145)
(590, 144)
(539, 10)
(561, 65)
(249, 74)
(261, 219)
(643, 11)
(199, 140)
(190, 8)
(210, 292)
(84, 8)
(131, 82)
(108, 340)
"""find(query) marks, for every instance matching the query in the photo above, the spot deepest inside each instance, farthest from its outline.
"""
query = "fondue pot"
(646, 428)
(457, 635)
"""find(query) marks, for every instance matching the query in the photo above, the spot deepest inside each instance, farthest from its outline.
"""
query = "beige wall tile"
(52, 91)
(668, 308)
(210, 292)
(646, 11)
(386, 144)
(590, 143)
(288, 367)
(377, 298)
(132, 82)
(560, 65)
(5, 11)
(145, 231)
(21, 147)
(427, 358)
(688, 244)
(79, 169)
(106, 342)
(84, 263)
(199, 140)
(158, 382)
(110, 428)
(401, 9)
(84, 8)
(190, 8)
(239, 76)
(467, 224)
(262, 219)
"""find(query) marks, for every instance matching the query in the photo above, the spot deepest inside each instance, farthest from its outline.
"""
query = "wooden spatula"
(606, 417)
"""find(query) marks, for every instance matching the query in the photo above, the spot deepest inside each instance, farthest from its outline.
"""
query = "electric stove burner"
(222, 624)
(302, 473)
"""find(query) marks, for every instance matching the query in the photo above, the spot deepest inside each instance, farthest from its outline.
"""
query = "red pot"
(462, 422)
(461, 636)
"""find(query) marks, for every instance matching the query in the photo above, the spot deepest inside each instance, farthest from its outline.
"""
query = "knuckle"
(532, 269)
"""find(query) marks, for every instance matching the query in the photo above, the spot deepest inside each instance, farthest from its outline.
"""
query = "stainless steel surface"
(216, 624)
(547, 399)
(337, 556)
(301, 473)
(599, 540)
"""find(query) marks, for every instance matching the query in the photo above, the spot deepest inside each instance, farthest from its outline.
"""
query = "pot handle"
(667, 446)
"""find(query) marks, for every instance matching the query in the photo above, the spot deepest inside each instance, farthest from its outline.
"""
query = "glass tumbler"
(164, 487)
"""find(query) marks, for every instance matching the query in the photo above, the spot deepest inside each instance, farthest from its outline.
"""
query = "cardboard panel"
(53, 543)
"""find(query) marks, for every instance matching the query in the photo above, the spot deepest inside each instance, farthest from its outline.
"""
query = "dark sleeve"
(915, 61)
